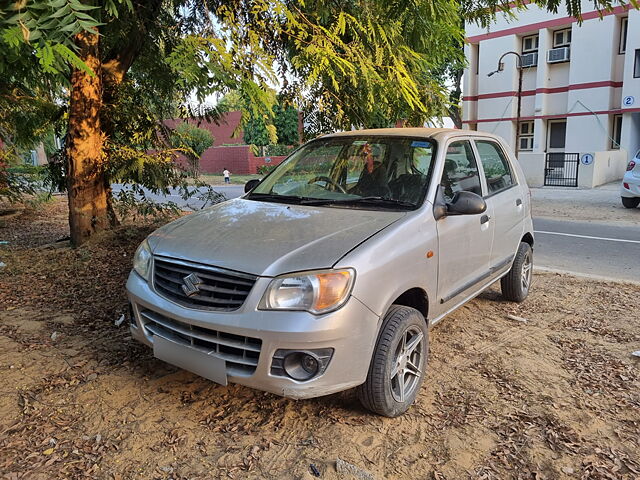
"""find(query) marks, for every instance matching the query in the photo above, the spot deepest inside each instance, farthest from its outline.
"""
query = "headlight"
(314, 292)
(142, 260)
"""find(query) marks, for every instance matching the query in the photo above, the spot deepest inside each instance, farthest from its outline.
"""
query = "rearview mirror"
(250, 185)
(466, 203)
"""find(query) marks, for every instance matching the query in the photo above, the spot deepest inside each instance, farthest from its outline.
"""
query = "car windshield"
(387, 172)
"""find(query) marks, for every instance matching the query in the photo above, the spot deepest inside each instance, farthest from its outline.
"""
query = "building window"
(557, 134)
(530, 44)
(562, 38)
(525, 137)
(624, 25)
(476, 48)
(616, 132)
(636, 65)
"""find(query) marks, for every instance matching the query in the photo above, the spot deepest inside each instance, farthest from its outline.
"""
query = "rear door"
(504, 198)
(464, 240)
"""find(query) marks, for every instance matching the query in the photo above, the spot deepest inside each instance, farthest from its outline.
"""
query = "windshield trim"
(370, 206)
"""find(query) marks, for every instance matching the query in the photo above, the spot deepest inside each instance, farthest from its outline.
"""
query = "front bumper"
(633, 181)
(351, 331)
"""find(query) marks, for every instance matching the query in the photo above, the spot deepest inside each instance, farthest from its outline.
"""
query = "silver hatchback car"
(327, 274)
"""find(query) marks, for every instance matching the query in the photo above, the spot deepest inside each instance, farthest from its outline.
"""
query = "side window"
(495, 166)
(460, 170)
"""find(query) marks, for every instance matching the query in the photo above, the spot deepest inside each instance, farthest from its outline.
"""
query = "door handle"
(484, 219)
(518, 202)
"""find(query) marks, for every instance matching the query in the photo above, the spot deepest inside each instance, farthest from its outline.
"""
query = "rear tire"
(516, 284)
(399, 360)
(630, 202)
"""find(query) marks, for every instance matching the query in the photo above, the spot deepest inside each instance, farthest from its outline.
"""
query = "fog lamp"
(301, 365)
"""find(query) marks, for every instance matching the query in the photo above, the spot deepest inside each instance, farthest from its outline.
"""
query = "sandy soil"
(557, 397)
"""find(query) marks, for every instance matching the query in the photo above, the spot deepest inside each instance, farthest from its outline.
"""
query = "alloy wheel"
(407, 364)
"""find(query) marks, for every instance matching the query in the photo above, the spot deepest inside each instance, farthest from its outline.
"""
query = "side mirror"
(466, 203)
(250, 185)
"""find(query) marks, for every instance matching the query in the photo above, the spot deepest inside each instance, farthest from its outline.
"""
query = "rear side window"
(495, 166)
(460, 170)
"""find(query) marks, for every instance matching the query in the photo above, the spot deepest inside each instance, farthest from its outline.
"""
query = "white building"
(580, 97)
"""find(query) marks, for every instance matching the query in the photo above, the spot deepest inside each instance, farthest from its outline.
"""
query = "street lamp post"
(519, 67)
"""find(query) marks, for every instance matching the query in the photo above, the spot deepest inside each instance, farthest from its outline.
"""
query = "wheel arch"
(415, 298)
(528, 238)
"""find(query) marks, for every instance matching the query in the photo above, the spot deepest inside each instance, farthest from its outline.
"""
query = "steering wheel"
(328, 181)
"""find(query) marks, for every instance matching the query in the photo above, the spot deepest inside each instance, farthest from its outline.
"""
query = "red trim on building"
(557, 22)
(560, 115)
(527, 93)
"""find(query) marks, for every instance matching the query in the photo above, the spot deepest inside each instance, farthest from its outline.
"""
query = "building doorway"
(561, 168)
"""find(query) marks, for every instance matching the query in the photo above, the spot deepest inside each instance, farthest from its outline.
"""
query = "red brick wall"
(222, 132)
(238, 159)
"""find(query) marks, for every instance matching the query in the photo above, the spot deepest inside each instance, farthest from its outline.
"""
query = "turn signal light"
(631, 165)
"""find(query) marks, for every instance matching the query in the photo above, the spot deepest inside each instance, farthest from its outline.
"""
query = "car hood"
(268, 239)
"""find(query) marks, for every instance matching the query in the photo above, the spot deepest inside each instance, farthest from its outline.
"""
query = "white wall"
(606, 167)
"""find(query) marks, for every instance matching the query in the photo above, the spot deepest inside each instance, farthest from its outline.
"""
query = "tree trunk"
(455, 112)
(87, 186)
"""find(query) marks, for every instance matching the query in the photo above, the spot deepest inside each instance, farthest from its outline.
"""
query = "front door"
(556, 137)
(504, 198)
(464, 240)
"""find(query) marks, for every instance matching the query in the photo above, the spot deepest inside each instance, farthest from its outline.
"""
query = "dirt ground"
(557, 397)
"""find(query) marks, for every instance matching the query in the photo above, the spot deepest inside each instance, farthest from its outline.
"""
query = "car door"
(504, 197)
(464, 241)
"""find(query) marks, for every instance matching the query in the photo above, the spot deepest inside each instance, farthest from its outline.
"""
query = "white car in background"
(630, 188)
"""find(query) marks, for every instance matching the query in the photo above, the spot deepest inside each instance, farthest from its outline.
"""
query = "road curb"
(590, 276)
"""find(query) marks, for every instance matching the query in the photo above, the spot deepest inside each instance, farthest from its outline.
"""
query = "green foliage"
(22, 183)
(277, 150)
(266, 169)
(256, 132)
(231, 102)
(286, 123)
(193, 142)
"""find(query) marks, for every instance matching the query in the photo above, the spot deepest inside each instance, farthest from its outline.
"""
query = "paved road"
(591, 248)
(229, 191)
(581, 247)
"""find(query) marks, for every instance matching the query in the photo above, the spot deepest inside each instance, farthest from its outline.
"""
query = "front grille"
(240, 353)
(219, 289)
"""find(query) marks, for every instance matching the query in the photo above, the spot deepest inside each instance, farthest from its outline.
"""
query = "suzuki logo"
(190, 285)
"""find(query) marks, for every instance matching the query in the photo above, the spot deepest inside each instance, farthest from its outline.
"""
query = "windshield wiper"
(273, 197)
(385, 201)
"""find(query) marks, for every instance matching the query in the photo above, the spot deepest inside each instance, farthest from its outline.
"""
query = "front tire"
(630, 202)
(515, 285)
(399, 360)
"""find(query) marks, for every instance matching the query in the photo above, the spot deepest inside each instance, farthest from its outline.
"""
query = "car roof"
(439, 133)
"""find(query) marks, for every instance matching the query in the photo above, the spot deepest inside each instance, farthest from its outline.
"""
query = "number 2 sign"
(628, 101)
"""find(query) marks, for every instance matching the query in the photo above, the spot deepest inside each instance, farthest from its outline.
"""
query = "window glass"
(530, 44)
(460, 170)
(495, 166)
(624, 25)
(636, 65)
(557, 134)
(562, 38)
(617, 131)
(345, 169)
(526, 136)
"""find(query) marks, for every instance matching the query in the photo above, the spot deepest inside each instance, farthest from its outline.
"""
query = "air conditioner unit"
(557, 55)
(529, 59)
